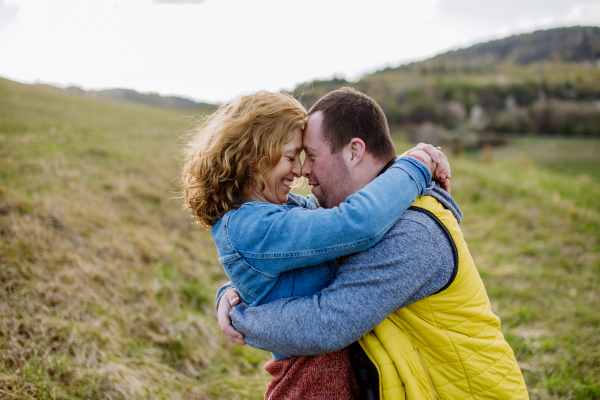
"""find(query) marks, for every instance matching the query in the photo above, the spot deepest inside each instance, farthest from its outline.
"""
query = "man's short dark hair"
(347, 114)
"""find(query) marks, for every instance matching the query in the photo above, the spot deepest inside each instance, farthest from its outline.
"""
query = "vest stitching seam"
(495, 361)
(469, 320)
(437, 325)
(475, 335)
(452, 309)
(463, 368)
(428, 375)
(507, 375)
(485, 370)
(522, 381)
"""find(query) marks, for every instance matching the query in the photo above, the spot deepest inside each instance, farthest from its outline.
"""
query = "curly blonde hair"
(241, 141)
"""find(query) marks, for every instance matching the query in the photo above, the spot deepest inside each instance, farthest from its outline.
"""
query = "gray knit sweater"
(412, 261)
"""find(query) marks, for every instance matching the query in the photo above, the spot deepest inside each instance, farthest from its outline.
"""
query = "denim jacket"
(271, 251)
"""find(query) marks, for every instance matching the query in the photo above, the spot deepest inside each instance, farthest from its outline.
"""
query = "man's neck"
(369, 171)
(387, 166)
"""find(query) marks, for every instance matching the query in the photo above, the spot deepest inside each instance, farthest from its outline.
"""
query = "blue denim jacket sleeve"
(412, 261)
(294, 237)
(297, 200)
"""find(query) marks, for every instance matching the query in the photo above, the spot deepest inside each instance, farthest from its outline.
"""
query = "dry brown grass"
(106, 287)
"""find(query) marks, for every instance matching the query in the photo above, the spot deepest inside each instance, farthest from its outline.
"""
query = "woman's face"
(279, 179)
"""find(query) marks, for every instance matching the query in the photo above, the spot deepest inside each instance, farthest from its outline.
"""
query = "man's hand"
(445, 184)
(229, 299)
(442, 173)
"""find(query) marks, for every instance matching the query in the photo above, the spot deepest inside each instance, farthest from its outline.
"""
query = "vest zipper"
(428, 376)
(377, 367)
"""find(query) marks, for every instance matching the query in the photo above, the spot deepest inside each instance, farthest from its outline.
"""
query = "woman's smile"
(279, 179)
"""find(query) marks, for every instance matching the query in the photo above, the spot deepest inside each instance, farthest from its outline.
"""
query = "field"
(107, 288)
(533, 230)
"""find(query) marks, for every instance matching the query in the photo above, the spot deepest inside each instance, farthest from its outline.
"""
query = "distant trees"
(546, 82)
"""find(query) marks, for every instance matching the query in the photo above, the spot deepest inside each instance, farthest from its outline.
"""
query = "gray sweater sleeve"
(414, 260)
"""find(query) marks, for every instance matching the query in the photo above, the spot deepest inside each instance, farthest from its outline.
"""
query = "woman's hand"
(442, 173)
(424, 157)
(229, 299)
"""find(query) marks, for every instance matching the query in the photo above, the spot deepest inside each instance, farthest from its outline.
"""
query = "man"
(414, 301)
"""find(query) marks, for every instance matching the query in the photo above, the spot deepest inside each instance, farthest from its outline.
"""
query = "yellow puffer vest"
(447, 345)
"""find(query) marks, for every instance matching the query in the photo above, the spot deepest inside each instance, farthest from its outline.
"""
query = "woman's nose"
(297, 170)
(306, 167)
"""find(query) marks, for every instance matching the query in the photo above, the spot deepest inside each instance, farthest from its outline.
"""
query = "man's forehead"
(313, 138)
(312, 142)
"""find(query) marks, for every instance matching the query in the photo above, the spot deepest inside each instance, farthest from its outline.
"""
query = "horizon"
(121, 44)
(289, 89)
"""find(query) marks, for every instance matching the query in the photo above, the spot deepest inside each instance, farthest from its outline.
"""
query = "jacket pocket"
(252, 282)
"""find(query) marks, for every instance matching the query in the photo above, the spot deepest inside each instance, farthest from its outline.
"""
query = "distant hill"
(545, 82)
(132, 96)
(572, 44)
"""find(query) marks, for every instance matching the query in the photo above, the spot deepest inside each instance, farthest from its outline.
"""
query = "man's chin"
(316, 191)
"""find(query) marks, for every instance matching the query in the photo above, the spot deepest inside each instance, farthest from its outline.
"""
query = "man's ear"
(355, 151)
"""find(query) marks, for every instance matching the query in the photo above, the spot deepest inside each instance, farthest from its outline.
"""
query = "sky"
(215, 50)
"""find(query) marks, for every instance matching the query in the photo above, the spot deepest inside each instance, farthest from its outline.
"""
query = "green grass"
(572, 157)
(498, 73)
(534, 232)
(107, 288)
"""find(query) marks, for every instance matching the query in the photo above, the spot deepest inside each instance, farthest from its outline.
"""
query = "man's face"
(327, 173)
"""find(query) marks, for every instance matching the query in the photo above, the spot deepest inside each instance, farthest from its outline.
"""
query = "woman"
(240, 164)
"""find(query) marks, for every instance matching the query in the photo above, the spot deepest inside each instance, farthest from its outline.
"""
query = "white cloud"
(223, 48)
(587, 13)
(179, 1)
(529, 24)
(584, 14)
(216, 51)
(8, 13)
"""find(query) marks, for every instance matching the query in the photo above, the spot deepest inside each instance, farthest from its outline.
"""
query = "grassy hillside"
(106, 287)
(149, 99)
(570, 44)
(534, 234)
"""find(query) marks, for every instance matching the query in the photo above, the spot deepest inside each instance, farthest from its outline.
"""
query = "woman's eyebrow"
(293, 151)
